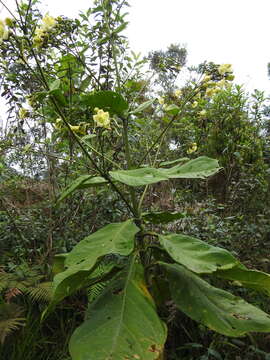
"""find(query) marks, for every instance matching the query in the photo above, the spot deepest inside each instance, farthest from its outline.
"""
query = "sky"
(231, 31)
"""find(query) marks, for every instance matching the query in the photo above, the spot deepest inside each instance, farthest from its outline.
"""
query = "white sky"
(231, 31)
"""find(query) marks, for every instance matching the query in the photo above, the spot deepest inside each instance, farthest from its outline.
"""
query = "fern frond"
(94, 291)
(41, 292)
(10, 319)
(11, 293)
(99, 274)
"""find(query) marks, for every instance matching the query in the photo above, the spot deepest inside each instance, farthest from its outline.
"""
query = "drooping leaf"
(82, 182)
(59, 263)
(165, 163)
(122, 323)
(117, 238)
(55, 85)
(197, 255)
(85, 83)
(162, 217)
(198, 168)
(142, 106)
(242, 276)
(120, 28)
(172, 109)
(138, 177)
(217, 309)
(106, 100)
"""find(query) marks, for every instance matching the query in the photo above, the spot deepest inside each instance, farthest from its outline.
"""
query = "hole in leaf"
(117, 291)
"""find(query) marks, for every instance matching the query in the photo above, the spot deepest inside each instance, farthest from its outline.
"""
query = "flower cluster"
(161, 100)
(3, 31)
(178, 93)
(193, 148)
(225, 68)
(102, 118)
(23, 113)
(48, 23)
(80, 129)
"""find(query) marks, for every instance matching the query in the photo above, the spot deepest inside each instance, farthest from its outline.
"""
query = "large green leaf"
(142, 106)
(106, 100)
(122, 323)
(197, 255)
(162, 217)
(82, 182)
(198, 168)
(115, 238)
(138, 177)
(213, 307)
(241, 276)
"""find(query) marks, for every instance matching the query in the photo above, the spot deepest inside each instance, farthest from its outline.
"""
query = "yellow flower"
(194, 104)
(102, 118)
(225, 68)
(202, 113)
(78, 129)
(23, 113)
(178, 93)
(58, 124)
(3, 32)
(222, 83)
(210, 91)
(161, 100)
(193, 148)
(48, 22)
(207, 78)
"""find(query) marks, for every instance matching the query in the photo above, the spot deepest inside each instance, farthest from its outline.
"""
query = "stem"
(129, 165)
(163, 132)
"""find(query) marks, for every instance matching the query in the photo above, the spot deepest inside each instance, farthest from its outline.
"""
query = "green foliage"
(10, 319)
(92, 111)
(112, 239)
(195, 169)
(215, 308)
(113, 325)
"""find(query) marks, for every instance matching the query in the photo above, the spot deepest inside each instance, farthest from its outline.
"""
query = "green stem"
(129, 165)
(163, 132)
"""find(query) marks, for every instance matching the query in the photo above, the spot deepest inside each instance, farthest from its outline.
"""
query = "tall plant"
(126, 263)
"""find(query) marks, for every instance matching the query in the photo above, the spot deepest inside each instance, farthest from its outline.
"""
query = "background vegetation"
(68, 60)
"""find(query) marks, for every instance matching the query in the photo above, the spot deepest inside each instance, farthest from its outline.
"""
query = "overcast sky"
(231, 31)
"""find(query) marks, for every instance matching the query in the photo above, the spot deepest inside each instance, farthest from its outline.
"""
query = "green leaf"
(55, 85)
(162, 217)
(218, 309)
(59, 263)
(82, 182)
(104, 40)
(172, 109)
(122, 323)
(197, 255)
(165, 163)
(106, 100)
(85, 83)
(117, 238)
(142, 107)
(198, 168)
(120, 28)
(243, 276)
(138, 177)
